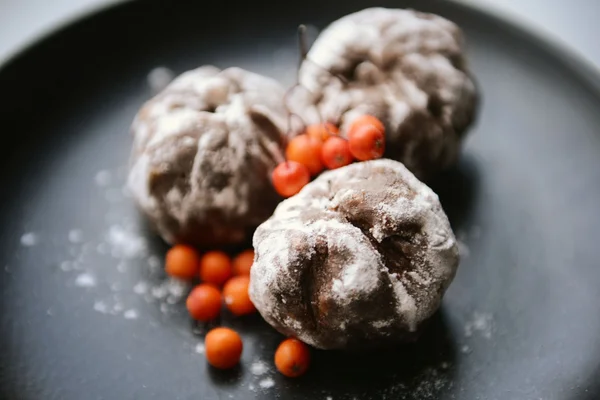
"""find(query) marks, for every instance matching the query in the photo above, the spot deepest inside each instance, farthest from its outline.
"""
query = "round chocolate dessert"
(203, 152)
(405, 67)
(361, 257)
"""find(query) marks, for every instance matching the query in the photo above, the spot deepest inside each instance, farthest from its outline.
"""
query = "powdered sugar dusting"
(398, 62)
(140, 288)
(101, 261)
(481, 323)
(203, 117)
(85, 280)
(101, 307)
(29, 239)
(326, 218)
(130, 314)
(200, 349)
(381, 323)
(266, 383)
(126, 244)
(259, 368)
(171, 289)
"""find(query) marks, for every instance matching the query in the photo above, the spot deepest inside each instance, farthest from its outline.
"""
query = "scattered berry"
(292, 358)
(182, 262)
(366, 138)
(366, 142)
(336, 153)
(366, 120)
(322, 132)
(289, 177)
(243, 262)
(215, 267)
(235, 293)
(306, 150)
(223, 348)
(204, 302)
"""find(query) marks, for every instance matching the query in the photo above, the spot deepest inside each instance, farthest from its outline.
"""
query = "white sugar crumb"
(465, 349)
(103, 178)
(200, 348)
(85, 280)
(159, 292)
(29, 239)
(251, 387)
(432, 384)
(259, 368)
(266, 383)
(481, 323)
(75, 236)
(130, 314)
(126, 244)
(101, 307)
(159, 77)
(140, 288)
(381, 324)
(328, 398)
(173, 290)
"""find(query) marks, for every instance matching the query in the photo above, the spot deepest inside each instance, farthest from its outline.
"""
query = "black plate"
(521, 321)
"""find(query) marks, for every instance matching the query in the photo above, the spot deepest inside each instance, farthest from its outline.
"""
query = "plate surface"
(85, 312)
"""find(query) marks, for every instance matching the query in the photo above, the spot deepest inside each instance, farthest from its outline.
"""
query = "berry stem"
(291, 115)
(302, 44)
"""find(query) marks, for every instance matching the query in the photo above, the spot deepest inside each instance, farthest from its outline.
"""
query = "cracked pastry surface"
(405, 67)
(360, 257)
(203, 150)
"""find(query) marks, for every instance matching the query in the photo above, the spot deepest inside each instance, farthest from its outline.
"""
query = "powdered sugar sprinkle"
(130, 314)
(266, 383)
(29, 239)
(259, 368)
(481, 323)
(86, 280)
(125, 243)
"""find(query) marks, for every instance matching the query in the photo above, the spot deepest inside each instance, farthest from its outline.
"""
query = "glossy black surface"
(521, 320)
